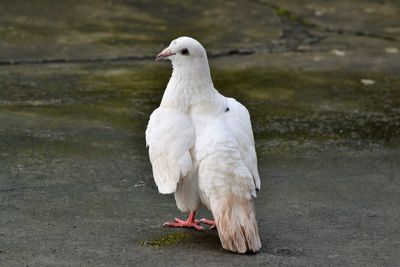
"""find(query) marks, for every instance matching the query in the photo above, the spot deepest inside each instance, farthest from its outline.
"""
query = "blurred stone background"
(78, 82)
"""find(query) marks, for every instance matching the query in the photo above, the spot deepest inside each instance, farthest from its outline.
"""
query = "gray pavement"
(78, 82)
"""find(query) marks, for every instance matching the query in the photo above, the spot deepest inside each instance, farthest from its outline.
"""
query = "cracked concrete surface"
(78, 83)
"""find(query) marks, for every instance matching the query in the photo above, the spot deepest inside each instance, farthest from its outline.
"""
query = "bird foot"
(209, 222)
(189, 223)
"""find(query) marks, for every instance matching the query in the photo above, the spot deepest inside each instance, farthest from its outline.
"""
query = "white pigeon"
(201, 148)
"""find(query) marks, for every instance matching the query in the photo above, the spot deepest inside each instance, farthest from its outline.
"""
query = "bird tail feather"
(237, 225)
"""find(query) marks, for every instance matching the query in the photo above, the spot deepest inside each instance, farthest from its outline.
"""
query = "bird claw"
(189, 223)
(207, 221)
(177, 220)
(182, 223)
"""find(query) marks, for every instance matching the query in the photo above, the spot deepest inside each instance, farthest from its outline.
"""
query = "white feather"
(238, 120)
(169, 135)
(201, 147)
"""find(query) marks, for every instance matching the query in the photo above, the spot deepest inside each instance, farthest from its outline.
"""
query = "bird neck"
(190, 85)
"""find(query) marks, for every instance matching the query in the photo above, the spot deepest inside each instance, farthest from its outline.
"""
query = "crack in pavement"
(294, 23)
(296, 32)
(72, 60)
(10, 62)
(286, 15)
(359, 33)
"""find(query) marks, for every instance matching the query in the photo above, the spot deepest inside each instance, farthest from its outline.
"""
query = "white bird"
(201, 148)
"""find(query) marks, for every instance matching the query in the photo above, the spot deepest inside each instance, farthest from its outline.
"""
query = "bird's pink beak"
(164, 54)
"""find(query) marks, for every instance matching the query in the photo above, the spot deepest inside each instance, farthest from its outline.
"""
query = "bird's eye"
(185, 51)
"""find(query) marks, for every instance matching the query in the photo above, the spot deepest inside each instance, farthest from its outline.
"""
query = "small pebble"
(367, 81)
(339, 53)
(333, 256)
(391, 50)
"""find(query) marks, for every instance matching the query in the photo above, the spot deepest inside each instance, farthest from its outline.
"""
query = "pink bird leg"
(189, 223)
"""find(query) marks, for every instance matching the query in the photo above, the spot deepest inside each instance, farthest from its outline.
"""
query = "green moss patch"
(168, 240)
(286, 14)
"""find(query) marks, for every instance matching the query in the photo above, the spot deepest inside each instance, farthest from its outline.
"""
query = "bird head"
(181, 50)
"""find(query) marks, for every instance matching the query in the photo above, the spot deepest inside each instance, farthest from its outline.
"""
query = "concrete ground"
(78, 82)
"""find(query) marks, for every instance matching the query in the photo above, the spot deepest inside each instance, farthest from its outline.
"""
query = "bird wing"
(169, 136)
(238, 121)
(226, 184)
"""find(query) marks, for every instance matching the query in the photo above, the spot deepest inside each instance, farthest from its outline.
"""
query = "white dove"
(201, 148)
